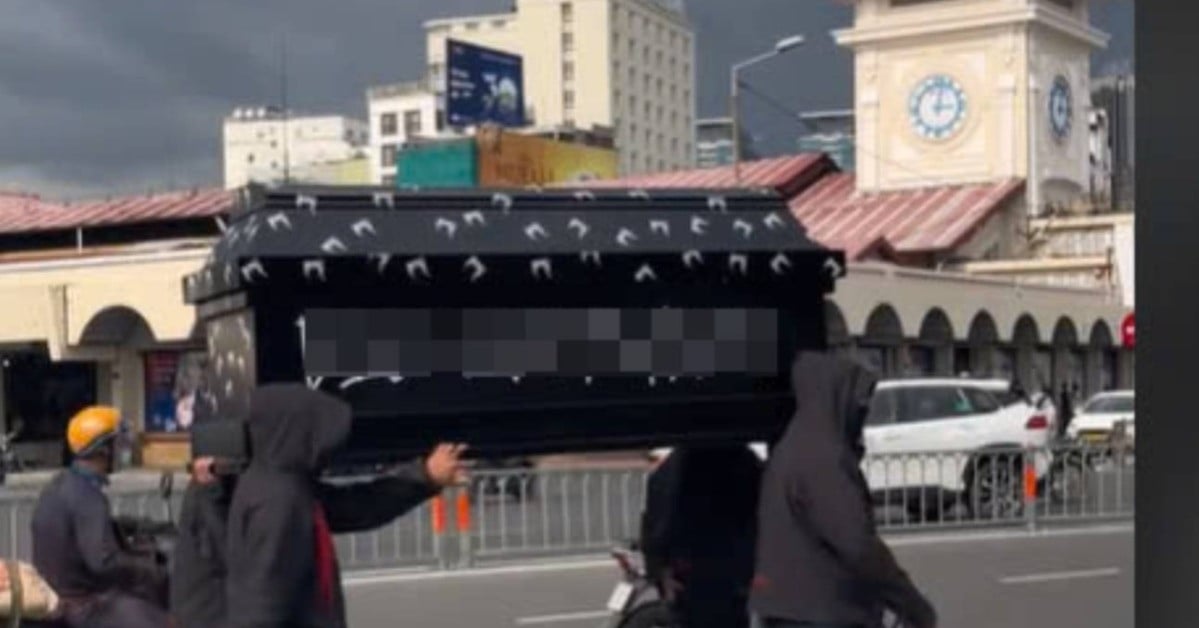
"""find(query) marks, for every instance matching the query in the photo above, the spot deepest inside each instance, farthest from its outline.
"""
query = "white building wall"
(259, 144)
(624, 64)
(400, 104)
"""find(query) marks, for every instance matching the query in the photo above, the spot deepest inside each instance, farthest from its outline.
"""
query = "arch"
(983, 330)
(1101, 335)
(883, 326)
(115, 325)
(1025, 332)
(936, 328)
(836, 330)
(1065, 334)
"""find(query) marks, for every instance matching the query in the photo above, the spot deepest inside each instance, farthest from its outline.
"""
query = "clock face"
(1061, 108)
(937, 107)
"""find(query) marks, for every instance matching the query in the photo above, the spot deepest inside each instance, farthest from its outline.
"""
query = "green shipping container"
(451, 164)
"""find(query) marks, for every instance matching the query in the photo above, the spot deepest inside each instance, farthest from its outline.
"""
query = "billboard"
(483, 85)
(512, 160)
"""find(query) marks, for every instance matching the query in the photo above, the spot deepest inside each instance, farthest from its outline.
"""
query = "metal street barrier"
(509, 515)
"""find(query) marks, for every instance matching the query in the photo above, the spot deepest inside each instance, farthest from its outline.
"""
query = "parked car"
(932, 442)
(1099, 417)
(1009, 395)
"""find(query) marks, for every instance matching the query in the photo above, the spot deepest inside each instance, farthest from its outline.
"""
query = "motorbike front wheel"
(653, 615)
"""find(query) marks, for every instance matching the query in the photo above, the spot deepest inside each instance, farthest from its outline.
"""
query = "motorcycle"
(636, 601)
(154, 539)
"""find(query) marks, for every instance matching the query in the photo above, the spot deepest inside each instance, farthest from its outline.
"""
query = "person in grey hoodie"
(820, 560)
(282, 568)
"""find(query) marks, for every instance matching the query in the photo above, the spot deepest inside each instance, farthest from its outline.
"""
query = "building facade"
(1115, 97)
(832, 133)
(263, 145)
(398, 114)
(628, 65)
(714, 143)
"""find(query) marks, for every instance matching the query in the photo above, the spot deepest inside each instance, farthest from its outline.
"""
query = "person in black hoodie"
(820, 561)
(282, 567)
(698, 532)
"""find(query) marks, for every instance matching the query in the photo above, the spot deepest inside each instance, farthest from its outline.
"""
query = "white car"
(1099, 416)
(1032, 403)
(934, 441)
(930, 442)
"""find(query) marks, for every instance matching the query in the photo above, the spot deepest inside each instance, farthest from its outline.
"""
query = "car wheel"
(995, 490)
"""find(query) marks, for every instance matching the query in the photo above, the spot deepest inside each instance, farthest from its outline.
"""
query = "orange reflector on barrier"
(438, 513)
(463, 512)
(1030, 483)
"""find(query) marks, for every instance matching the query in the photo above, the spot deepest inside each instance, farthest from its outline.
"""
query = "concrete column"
(3, 400)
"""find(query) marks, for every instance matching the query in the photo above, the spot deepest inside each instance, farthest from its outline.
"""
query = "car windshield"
(1110, 404)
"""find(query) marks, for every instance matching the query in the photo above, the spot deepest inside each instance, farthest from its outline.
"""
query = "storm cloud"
(128, 95)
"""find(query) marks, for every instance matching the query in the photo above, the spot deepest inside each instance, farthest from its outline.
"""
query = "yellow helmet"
(91, 428)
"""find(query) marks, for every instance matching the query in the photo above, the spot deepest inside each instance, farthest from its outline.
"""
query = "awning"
(24, 213)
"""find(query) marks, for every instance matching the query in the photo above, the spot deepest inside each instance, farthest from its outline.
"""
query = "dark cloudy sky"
(113, 96)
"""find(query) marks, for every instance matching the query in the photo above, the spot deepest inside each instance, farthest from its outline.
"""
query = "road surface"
(1060, 579)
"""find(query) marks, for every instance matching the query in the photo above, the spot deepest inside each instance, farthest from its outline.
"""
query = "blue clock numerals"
(937, 107)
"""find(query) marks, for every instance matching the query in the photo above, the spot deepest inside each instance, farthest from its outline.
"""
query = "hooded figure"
(282, 567)
(820, 561)
(698, 530)
(198, 574)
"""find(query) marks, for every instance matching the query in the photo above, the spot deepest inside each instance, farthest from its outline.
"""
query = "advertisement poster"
(512, 160)
(483, 85)
(173, 379)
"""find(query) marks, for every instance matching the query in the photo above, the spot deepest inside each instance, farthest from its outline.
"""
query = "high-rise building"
(830, 132)
(628, 65)
(1116, 97)
(714, 143)
(263, 145)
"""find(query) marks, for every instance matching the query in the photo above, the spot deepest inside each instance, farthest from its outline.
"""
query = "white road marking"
(562, 617)
(1106, 572)
(583, 563)
(411, 575)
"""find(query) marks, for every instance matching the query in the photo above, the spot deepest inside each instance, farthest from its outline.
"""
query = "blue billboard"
(483, 85)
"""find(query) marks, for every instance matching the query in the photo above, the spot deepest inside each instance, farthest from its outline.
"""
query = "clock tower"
(951, 92)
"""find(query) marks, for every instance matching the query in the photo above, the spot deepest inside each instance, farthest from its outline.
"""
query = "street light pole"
(783, 45)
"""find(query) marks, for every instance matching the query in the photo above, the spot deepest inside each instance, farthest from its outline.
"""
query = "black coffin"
(520, 322)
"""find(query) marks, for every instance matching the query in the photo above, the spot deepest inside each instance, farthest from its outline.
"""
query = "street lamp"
(781, 46)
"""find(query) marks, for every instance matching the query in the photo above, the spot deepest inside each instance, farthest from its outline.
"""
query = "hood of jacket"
(295, 429)
(832, 399)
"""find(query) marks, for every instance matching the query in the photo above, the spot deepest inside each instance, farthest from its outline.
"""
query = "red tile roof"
(786, 175)
(23, 213)
(905, 221)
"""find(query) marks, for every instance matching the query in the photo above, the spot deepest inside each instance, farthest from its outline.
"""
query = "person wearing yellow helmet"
(75, 545)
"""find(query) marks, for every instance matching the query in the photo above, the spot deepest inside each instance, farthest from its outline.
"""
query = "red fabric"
(325, 558)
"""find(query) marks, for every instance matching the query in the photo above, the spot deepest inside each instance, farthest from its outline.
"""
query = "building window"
(250, 158)
(661, 115)
(568, 42)
(649, 137)
(568, 99)
(274, 165)
(647, 85)
(387, 124)
(648, 110)
(661, 165)
(389, 155)
(568, 71)
(632, 77)
(632, 105)
(274, 144)
(632, 47)
(661, 59)
(440, 119)
(389, 180)
(674, 92)
(568, 12)
(659, 88)
(472, 26)
(412, 124)
(499, 24)
(645, 54)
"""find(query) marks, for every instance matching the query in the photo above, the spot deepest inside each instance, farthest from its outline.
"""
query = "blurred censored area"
(691, 342)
